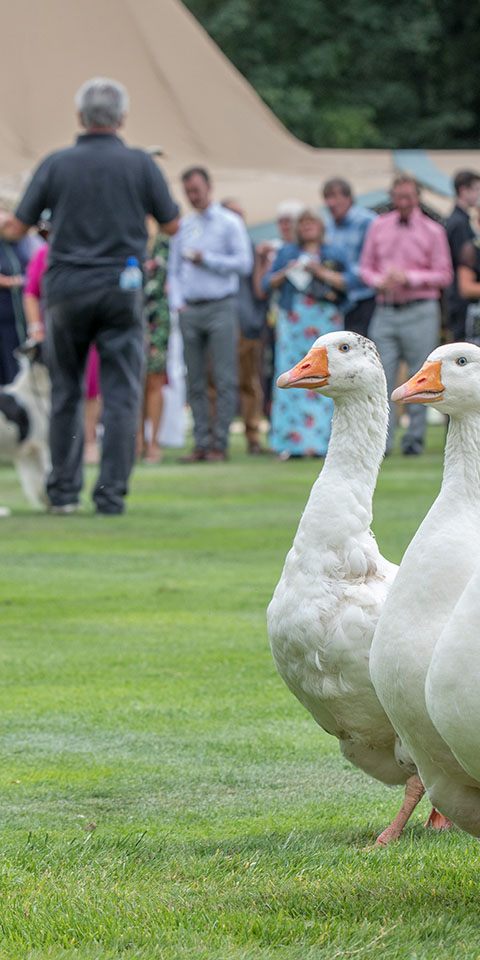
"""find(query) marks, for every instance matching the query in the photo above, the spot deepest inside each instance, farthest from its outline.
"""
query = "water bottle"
(131, 277)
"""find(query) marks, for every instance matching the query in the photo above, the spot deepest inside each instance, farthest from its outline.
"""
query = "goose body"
(325, 608)
(415, 661)
(451, 687)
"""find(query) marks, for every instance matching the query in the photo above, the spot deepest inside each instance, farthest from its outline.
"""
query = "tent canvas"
(185, 96)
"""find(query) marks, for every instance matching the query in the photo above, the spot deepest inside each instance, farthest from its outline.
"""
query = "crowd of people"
(102, 210)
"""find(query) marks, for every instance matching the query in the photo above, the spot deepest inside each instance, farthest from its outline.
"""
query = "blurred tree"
(363, 74)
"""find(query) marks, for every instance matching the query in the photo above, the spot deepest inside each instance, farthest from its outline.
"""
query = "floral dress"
(156, 308)
(301, 419)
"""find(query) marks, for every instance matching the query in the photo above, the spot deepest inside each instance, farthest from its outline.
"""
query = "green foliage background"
(364, 73)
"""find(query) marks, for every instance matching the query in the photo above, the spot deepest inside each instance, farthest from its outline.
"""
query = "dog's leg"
(30, 465)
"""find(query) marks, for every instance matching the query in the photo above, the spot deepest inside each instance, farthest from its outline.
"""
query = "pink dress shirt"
(419, 248)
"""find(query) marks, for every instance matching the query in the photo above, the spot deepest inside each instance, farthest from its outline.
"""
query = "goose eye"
(461, 361)
(344, 347)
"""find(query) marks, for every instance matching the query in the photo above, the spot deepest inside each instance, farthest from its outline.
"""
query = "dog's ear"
(33, 350)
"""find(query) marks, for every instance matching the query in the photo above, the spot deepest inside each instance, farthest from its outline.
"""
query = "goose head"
(449, 379)
(337, 364)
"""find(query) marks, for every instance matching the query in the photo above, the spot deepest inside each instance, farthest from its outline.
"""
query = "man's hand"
(393, 279)
(194, 256)
(36, 332)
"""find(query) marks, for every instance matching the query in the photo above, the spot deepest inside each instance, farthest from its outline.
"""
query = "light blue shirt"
(349, 234)
(222, 239)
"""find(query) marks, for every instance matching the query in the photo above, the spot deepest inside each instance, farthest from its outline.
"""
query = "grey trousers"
(210, 333)
(407, 333)
(113, 319)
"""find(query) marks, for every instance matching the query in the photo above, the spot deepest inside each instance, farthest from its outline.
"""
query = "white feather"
(425, 659)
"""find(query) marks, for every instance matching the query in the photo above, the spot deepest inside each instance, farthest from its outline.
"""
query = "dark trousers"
(358, 319)
(113, 319)
(456, 321)
(8, 343)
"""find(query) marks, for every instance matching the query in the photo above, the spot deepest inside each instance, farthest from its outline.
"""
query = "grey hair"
(289, 209)
(101, 103)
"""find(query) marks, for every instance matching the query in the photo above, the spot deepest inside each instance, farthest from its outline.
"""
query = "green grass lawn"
(162, 794)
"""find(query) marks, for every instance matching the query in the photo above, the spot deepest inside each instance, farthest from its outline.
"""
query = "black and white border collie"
(24, 423)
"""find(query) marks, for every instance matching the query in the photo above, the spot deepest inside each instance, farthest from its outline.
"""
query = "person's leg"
(222, 345)
(8, 344)
(421, 334)
(68, 335)
(195, 354)
(153, 409)
(120, 343)
(383, 332)
(250, 390)
(93, 409)
(93, 406)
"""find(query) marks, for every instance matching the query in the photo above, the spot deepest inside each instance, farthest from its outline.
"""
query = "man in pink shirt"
(406, 259)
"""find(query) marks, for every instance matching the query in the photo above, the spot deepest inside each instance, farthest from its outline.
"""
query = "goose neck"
(357, 442)
(462, 457)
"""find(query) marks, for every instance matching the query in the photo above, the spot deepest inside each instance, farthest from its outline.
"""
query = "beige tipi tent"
(185, 96)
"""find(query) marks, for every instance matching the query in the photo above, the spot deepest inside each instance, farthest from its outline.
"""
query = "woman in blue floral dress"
(310, 278)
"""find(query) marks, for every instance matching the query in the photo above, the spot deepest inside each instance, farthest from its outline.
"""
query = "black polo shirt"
(459, 231)
(99, 191)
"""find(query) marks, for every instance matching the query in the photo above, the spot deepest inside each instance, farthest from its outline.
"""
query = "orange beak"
(424, 387)
(311, 372)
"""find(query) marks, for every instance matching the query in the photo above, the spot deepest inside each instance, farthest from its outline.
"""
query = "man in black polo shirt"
(459, 232)
(99, 192)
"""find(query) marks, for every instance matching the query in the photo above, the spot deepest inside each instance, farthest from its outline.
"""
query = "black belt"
(199, 303)
(408, 303)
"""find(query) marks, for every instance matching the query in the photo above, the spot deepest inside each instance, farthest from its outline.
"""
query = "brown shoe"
(217, 456)
(255, 450)
(196, 456)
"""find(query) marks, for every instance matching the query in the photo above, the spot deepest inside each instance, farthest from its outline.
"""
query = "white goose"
(419, 652)
(451, 688)
(325, 608)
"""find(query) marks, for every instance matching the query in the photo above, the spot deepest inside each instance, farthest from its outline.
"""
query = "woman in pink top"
(32, 297)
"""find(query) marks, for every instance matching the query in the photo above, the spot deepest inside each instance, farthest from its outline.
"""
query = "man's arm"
(13, 229)
(171, 227)
(352, 274)
(439, 272)
(174, 287)
(240, 257)
(262, 260)
(160, 203)
(460, 234)
(35, 199)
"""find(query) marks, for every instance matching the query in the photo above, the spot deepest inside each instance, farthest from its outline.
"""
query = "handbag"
(320, 290)
(472, 323)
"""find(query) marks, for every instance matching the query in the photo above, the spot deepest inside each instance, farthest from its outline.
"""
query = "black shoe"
(412, 451)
